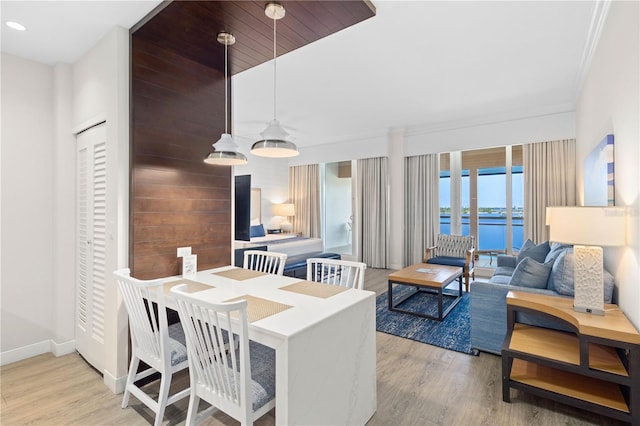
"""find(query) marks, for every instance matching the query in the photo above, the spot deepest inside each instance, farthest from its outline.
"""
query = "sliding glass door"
(491, 198)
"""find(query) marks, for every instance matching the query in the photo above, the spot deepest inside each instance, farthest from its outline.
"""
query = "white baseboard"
(36, 349)
(60, 349)
(115, 384)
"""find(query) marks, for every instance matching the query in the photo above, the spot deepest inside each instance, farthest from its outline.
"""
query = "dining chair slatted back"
(265, 261)
(153, 342)
(342, 273)
(237, 376)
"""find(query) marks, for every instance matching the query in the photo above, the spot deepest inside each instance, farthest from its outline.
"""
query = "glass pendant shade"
(274, 143)
(225, 153)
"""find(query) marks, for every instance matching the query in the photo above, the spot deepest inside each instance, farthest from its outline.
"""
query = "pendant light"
(225, 151)
(274, 141)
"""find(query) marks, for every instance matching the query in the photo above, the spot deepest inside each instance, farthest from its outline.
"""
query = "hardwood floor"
(418, 384)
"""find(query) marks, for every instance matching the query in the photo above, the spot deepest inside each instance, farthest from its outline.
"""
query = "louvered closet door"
(91, 244)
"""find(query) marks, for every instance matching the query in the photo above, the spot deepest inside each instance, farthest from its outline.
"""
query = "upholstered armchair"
(453, 250)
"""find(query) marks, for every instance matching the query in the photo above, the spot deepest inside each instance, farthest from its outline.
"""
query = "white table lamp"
(588, 228)
(285, 210)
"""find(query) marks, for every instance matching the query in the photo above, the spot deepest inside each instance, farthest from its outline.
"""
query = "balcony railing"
(492, 230)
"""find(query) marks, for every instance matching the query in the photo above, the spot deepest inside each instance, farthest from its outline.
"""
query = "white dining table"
(325, 346)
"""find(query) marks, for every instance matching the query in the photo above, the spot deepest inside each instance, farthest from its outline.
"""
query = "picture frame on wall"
(599, 178)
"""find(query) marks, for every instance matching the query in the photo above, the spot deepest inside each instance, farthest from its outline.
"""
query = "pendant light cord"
(274, 68)
(226, 88)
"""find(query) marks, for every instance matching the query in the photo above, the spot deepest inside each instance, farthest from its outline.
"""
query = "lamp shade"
(225, 153)
(594, 226)
(274, 143)
(285, 210)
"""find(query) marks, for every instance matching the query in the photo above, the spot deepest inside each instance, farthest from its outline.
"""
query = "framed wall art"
(599, 182)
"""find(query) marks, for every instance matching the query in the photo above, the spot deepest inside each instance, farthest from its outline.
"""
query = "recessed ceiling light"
(15, 26)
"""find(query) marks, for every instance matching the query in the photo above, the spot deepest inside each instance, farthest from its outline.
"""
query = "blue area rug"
(452, 333)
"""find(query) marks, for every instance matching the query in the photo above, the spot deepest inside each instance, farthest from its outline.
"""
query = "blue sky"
(491, 191)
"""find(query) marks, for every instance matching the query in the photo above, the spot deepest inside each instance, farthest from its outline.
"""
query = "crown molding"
(598, 18)
(490, 119)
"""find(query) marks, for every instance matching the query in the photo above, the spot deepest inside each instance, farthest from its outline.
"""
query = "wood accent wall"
(176, 199)
(177, 112)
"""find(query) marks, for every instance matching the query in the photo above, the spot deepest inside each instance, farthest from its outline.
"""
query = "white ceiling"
(417, 65)
(62, 31)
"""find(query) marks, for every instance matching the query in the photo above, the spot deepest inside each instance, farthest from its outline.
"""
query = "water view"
(491, 203)
(492, 228)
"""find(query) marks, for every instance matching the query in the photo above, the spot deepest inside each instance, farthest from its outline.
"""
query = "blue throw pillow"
(561, 277)
(555, 249)
(531, 273)
(257, 231)
(537, 252)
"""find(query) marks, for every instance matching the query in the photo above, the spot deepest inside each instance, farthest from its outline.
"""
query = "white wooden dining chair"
(235, 377)
(342, 273)
(265, 261)
(159, 346)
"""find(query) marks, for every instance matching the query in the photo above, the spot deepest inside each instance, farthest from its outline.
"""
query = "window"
(489, 212)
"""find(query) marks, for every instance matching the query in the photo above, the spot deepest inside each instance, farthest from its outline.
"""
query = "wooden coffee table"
(426, 277)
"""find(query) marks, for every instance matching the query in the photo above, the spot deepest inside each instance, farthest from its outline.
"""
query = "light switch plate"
(184, 251)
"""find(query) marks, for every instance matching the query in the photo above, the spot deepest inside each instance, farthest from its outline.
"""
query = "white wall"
(64, 224)
(27, 205)
(43, 106)
(509, 132)
(101, 92)
(609, 104)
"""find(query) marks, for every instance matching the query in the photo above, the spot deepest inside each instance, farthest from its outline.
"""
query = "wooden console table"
(596, 367)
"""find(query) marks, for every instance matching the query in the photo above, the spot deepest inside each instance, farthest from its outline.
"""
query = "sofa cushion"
(504, 270)
(537, 252)
(561, 276)
(500, 279)
(447, 260)
(532, 274)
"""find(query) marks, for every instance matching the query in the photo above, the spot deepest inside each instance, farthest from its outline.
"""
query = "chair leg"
(133, 368)
(165, 383)
(192, 410)
(466, 283)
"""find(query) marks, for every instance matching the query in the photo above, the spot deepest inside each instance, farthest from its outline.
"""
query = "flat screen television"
(243, 207)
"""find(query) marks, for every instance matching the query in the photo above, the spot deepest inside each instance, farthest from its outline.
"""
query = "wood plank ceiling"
(177, 112)
(190, 28)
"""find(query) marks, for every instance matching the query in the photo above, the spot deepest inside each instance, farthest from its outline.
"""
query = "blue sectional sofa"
(544, 268)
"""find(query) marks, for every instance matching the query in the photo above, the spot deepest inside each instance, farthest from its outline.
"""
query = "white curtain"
(304, 193)
(422, 205)
(549, 180)
(373, 210)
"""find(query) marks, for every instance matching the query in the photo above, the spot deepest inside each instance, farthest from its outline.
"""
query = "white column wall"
(64, 202)
(101, 92)
(609, 104)
(27, 208)
(396, 199)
